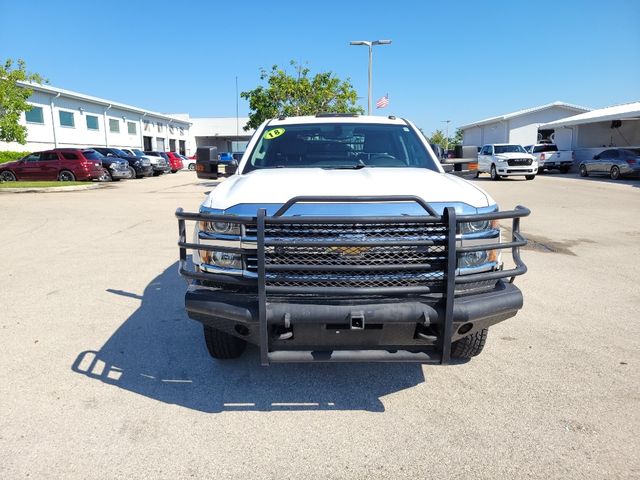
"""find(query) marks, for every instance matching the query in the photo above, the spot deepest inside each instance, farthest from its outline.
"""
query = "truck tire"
(529, 177)
(221, 345)
(564, 169)
(469, 346)
(494, 173)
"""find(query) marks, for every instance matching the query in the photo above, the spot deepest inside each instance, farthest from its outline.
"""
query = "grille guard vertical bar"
(262, 291)
(447, 328)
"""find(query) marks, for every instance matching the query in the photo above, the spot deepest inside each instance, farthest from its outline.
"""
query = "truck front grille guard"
(446, 287)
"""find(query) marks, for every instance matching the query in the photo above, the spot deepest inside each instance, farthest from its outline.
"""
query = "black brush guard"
(262, 222)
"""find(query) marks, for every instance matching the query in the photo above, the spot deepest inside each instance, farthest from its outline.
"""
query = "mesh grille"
(513, 162)
(398, 266)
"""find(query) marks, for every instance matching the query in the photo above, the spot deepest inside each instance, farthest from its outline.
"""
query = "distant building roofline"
(519, 113)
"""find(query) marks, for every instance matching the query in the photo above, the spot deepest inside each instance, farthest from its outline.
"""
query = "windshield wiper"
(357, 166)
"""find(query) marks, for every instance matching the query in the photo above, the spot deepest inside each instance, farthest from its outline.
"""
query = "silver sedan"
(614, 162)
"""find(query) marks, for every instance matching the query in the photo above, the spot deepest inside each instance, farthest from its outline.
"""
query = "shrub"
(7, 156)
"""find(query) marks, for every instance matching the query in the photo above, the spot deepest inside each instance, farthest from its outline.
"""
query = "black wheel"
(494, 173)
(66, 176)
(7, 176)
(583, 170)
(529, 177)
(192, 166)
(221, 345)
(615, 173)
(564, 169)
(132, 172)
(470, 346)
(174, 171)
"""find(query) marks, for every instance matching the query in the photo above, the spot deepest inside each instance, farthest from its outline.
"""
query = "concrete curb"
(72, 188)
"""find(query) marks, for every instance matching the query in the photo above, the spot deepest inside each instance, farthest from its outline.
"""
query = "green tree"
(299, 94)
(456, 139)
(13, 100)
(438, 137)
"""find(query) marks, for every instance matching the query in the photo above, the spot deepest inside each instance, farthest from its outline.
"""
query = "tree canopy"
(299, 94)
(13, 100)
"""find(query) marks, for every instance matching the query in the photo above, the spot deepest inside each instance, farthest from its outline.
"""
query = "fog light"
(227, 260)
(473, 259)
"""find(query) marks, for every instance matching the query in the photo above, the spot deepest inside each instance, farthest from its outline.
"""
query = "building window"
(171, 129)
(181, 132)
(92, 122)
(131, 128)
(160, 127)
(146, 125)
(34, 115)
(114, 125)
(66, 119)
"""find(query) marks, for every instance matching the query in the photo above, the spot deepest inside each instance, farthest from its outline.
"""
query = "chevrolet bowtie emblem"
(348, 250)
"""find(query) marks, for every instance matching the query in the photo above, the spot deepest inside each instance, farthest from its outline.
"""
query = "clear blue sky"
(458, 60)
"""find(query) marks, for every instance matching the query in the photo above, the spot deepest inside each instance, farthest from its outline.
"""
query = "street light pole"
(370, 44)
(446, 138)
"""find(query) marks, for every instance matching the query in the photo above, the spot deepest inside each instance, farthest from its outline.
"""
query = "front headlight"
(475, 227)
(223, 228)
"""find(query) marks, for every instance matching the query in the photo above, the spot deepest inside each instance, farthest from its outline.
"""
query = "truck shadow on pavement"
(159, 352)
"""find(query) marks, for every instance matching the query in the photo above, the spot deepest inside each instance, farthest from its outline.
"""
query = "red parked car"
(174, 161)
(65, 165)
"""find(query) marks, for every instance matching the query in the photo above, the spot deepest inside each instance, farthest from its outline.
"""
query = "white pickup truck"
(550, 158)
(339, 238)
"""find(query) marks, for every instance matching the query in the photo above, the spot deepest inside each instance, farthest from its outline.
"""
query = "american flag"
(383, 102)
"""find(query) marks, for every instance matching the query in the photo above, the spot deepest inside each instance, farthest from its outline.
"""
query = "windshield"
(545, 148)
(120, 152)
(92, 155)
(137, 153)
(339, 146)
(509, 149)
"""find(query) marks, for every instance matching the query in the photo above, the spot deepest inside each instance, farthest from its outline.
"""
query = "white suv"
(506, 160)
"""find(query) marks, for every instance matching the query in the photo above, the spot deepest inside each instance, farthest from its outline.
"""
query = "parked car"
(550, 158)
(138, 167)
(614, 162)
(188, 163)
(339, 240)
(506, 160)
(159, 161)
(158, 164)
(175, 161)
(115, 168)
(68, 164)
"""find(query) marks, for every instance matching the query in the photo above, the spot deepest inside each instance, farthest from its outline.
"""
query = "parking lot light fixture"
(370, 44)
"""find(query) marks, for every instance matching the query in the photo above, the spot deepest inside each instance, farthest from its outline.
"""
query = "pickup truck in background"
(550, 158)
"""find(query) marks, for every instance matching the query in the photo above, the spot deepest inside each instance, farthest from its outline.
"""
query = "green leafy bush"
(7, 156)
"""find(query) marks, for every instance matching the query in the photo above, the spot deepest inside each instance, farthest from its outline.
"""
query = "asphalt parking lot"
(104, 376)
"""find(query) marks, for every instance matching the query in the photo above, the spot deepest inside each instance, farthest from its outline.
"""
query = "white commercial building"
(594, 131)
(62, 118)
(521, 127)
(227, 134)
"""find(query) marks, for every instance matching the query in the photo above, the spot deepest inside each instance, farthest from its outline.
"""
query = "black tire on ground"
(221, 345)
(66, 176)
(7, 176)
(583, 170)
(494, 173)
(529, 177)
(615, 173)
(132, 171)
(192, 166)
(469, 346)
(564, 169)
(174, 171)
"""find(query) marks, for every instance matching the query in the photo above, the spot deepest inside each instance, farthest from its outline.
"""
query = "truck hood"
(509, 155)
(277, 186)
